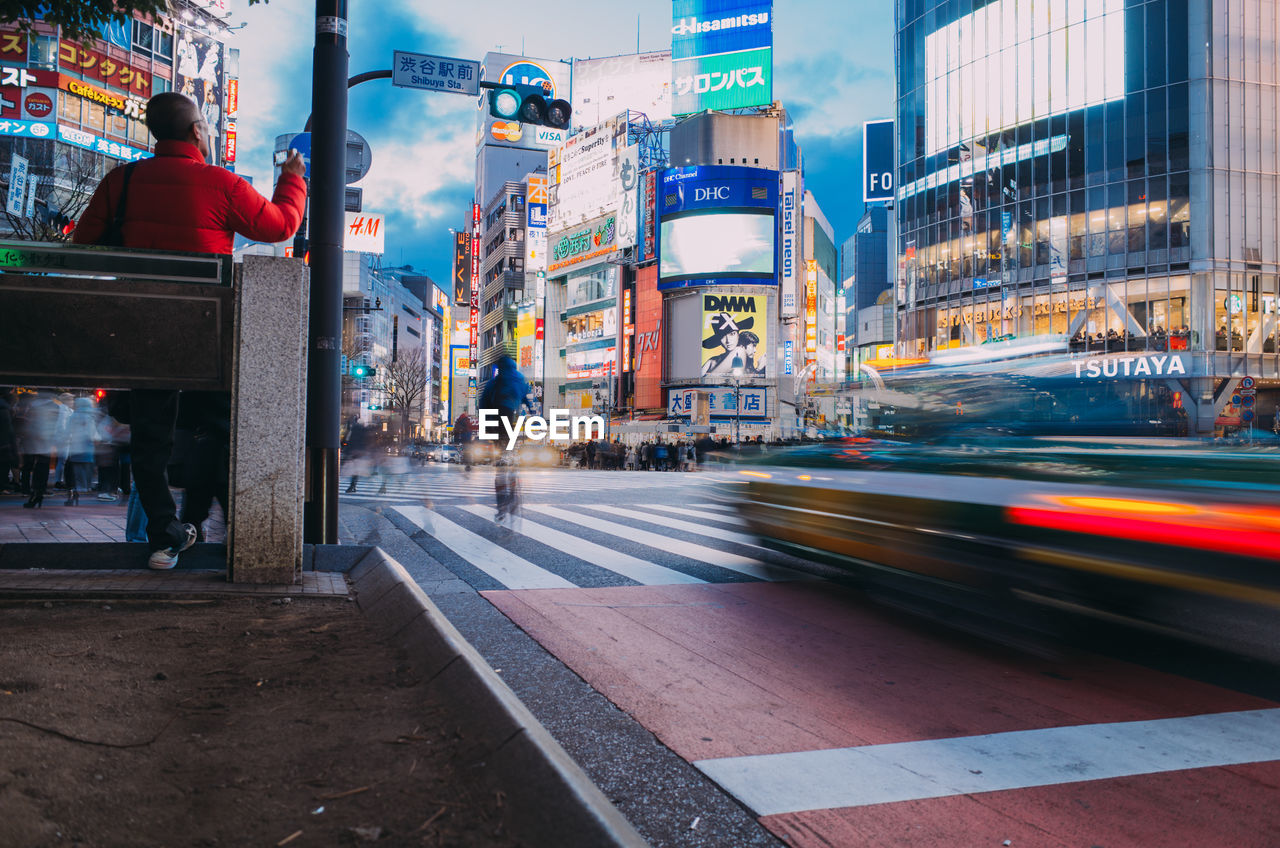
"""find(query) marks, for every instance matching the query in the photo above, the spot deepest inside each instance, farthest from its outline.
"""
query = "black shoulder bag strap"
(114, 236)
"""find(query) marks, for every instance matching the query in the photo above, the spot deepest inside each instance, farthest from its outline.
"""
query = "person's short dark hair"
(746, 337)
(170, 116)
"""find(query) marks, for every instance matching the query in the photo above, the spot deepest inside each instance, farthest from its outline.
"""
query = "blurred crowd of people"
(73, 446)
(57, 441)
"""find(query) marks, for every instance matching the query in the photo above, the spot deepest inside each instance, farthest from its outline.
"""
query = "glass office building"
(1100, 169)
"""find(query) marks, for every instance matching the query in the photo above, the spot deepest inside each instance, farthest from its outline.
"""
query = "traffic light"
(529, 104)
(360, 371)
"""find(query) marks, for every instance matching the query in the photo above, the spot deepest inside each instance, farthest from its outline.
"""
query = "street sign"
(1246, 383)
(359, 158)
(435, 73)
(17, 186)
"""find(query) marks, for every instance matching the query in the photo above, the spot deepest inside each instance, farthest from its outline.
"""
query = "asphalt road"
(721, 695)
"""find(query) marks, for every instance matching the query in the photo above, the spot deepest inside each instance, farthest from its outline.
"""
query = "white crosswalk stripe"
(453, 483)
(639, 570)
(722, 517)
(676, 524)
(733, 562)
(499, 563)
(643, 556)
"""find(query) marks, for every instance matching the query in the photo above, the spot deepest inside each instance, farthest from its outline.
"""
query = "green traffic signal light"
(359, 371)
(529, 104)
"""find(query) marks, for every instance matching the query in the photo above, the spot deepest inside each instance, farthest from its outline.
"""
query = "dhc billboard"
(718, 226)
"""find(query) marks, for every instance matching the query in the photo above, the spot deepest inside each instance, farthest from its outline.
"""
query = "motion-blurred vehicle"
(481, 451)
(1181, 540)
(538, 455)
(442, 453)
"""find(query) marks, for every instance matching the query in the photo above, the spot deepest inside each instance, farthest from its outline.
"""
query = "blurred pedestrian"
(39, 436)
(82, 437)
(462, 434)
(357, 448)
(175, 201)
(8, 446)
(507, 392)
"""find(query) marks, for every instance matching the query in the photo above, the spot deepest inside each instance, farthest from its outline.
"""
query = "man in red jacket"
(175, 201)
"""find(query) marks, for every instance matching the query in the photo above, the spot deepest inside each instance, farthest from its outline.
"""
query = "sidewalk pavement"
(91, 520)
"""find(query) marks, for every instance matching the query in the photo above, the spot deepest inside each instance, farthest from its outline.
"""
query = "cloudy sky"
(833, 69)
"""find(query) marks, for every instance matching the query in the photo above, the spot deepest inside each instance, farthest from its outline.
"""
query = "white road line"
(499, 563)
(676, 524)
(710, 556)
(723, 518)
(908, 771)
(717, 506)
(639, 570)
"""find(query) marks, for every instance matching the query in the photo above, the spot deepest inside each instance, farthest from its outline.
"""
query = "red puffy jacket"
(177, 202)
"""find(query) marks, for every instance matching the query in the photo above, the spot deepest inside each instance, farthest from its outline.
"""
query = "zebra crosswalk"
(551, 546)
(454, 483)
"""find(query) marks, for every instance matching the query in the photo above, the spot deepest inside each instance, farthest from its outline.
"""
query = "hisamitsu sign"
(435, 73)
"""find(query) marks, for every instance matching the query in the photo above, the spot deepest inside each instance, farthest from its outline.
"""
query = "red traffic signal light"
(99, 394)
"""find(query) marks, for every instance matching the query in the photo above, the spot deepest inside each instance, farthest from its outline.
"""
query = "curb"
(550, 800)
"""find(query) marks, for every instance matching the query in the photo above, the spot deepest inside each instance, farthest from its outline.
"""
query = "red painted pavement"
(1204, 808)
(723, 670)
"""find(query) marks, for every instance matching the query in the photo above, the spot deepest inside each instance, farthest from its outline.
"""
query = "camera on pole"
(528, 104)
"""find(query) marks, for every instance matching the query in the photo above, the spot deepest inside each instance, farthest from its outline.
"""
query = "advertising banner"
(535, 244)
(88, 141)
(639, 82)
(365, 232)
(583, 174)
(553, 76)
(877, 161)
(811, 310)
(13, 47)
(459, 371)
(647, 244)
(723, 401)
(592, 241)
(647, 347)
(197, 73)
(718, 226)
(588, 364)
(462, 269)
(721, 54)
(474, 327)
(90, 63)
(526, 335)
(628, 181)
(789, 244)
(734, 335)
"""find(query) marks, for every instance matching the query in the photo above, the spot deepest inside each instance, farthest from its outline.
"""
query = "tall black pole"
(324, 337)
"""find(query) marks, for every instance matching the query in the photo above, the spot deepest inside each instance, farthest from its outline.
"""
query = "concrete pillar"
(268, 422)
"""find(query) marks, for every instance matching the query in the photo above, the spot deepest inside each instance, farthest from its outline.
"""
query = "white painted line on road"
(499, 563)
(675, 524)
(723, 518)
(710, 556)
(908, 771)
(639, 570)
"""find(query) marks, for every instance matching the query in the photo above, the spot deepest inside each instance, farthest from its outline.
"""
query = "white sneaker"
(166, 558)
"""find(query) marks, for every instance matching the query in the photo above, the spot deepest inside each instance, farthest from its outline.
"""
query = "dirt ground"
(225, 722)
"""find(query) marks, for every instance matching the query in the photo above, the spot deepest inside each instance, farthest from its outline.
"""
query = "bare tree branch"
(404, 382)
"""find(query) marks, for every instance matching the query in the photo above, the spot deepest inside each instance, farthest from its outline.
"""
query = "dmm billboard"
(721, 54)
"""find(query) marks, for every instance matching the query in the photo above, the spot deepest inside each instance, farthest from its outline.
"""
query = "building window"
(69, 108)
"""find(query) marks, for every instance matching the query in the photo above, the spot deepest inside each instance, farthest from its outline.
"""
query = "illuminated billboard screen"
(717, 243)
(1012, 62)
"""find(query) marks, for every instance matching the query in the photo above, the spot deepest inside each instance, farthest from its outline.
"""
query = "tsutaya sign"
(1130, 366)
